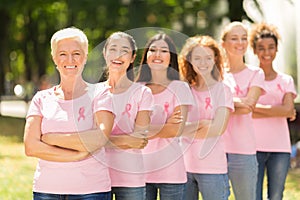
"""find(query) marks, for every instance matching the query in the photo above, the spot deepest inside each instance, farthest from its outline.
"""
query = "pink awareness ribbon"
(81, 113)
(238, 90)
(127, 109)
(166, 107)
(207, 103)
(280, 88)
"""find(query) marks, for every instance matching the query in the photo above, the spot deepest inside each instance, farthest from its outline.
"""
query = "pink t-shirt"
(87, 176)
(207, 155)
(239, 135)
(275, 136)
(126, 167)
(163, 156)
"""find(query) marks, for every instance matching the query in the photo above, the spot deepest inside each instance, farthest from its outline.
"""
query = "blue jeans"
(277, 166)
(167, 191)
(211, 186)
(92, 196)
(242, 173)
(129, 193)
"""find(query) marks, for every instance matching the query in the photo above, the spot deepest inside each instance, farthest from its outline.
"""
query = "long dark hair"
(173, 69)
(129, 71)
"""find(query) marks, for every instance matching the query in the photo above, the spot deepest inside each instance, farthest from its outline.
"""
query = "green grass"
(16, 170)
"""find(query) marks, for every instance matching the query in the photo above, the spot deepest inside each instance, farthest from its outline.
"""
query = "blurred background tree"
(27, 26)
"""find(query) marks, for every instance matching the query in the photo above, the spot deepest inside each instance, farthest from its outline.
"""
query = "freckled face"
(158, 55)
(202, 60)
(69, 58)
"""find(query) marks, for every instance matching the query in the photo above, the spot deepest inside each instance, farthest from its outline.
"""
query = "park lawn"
(16, 170)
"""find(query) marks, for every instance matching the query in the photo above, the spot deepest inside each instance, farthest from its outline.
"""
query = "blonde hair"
(69, 33)
(229, 27)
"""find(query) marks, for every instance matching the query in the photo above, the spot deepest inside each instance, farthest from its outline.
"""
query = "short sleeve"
(290, 87)
(228, 98)
(258, 79)
(147, 100)
(183, 93)
(103, 99)
(35, 106)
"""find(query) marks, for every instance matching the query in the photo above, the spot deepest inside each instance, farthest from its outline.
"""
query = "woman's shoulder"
(220, 86)
(284, 76)
(178, 83)
(98, 88)
(137, 87)
(46, 92)
(253, 68)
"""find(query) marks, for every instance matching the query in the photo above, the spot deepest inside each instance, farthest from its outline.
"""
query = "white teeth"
(267, 57)
(157, 61)
(117, 62)
(70, 67)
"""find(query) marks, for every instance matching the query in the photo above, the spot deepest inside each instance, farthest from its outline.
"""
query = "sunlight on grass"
(16, 171)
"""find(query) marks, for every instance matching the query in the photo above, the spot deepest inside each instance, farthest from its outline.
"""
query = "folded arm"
(34, 147)
(173, 127)
(208, 127)
(286, 109)
(247, 104)
(135, 140)
(90, 140)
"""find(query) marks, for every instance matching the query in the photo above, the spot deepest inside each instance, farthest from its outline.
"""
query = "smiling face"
(118, 55)
(69, 57)
(265, 49)
(236, 41)
(158, 55)
(202, 60)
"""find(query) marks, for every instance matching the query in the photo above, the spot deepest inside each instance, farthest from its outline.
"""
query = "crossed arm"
(92, 140)
(135, 140)
(247, 104)
(173, 127)
(208, 128)
(286, 109)
(66, 147)
(36, 148)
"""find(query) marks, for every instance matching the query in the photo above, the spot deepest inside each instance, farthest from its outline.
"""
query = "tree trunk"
(4, 54)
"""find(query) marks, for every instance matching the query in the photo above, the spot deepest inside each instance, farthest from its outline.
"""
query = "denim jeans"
(129, 193)
(242, 173)
(167, 191)
(211, 186)
(92, 196)
(276, 166)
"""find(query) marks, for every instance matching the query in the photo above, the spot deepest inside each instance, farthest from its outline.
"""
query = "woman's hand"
(137, 141)
(293, 115)
(175, 118)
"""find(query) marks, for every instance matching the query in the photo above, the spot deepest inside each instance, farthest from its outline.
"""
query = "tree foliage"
(27, 27)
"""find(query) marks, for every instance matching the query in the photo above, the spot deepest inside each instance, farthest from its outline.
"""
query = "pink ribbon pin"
(166, 106)
(280, 88)
(238, 90)
(81, 113)
(127, 109)
(207, 101)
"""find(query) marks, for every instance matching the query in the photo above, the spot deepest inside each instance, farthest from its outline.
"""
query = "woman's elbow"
(29, 151)
(30, 148)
